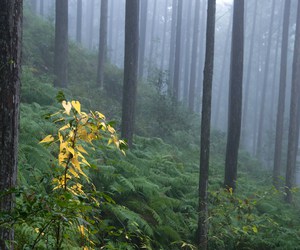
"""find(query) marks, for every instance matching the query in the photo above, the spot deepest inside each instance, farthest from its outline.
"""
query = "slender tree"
(249, 72)
(143, 28)
(264, 90)
(293, 136)
(172, 44)
(90, 23)
(163, 52)
(61, 44)
(10, 56)
(176, 77)
(194, 57)
(79, 22)
(202, 237)
(152, 37)
(102, 42)
(235, 94)
(130, 69)
(281, 97)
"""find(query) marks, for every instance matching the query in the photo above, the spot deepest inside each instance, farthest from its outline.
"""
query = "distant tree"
(202, 238)
(143, 29)
(102, 42)
(33, 4)
(176, 77)
(163, 49)
(172, 44)
(235, 94)
(249, 72)
(281, 97)
(90, 23)
(79, 22)
(10, 69)
(61, 44)
(152, 36)
(294, 116)
(187, 50)
(42, 7)
(194, 57)
(264, 85)
(130, 69)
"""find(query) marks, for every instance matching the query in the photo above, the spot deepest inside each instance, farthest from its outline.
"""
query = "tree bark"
(130, 69)
(172, 45)
(294, 116)
(61, 44)
(281, 97)
(102, 42)
(202, 237)
(235, 95)
(10, 69)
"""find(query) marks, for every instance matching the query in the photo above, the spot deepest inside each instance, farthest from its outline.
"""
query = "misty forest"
(149, 124)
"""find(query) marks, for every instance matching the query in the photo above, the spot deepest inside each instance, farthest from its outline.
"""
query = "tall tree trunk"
(163, 50)
(102, 42)
(130, 69)
(187, 52)
(152, 39)
(176, 77)
(202, 238)
(260, 135)
(10, 69)
(61, 44)
(172, 45)
(143, 29)
(248, 75)
(79, 22)
(294, 116)
(42, 7)
(281, 97)
(110, 29)
(33, 4)
(235, 95)
(194, 57)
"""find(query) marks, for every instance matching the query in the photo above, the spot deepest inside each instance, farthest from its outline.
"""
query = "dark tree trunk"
(259, 146)
(10, 69)
(235, 95)
(248, 75)
(61, 44)
(202, 238)
(172, 45)
(176, 77)
(102, 42)
(194, 57)
(143, 29)
(130, 69)
(281, 97)
(294, 116)
(79, 22)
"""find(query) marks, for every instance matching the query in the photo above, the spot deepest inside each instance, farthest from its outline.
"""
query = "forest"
(149, 124)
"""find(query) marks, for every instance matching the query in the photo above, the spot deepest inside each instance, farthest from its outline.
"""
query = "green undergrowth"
(149, 197)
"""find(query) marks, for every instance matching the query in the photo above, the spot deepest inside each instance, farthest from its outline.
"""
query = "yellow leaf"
(111, 129)
(48, 138)
(71, 150)
(67, 106)
(101, 116)
(81, 149)
(77, 106)
(64, 127)
(74, 173)
(255, 230)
